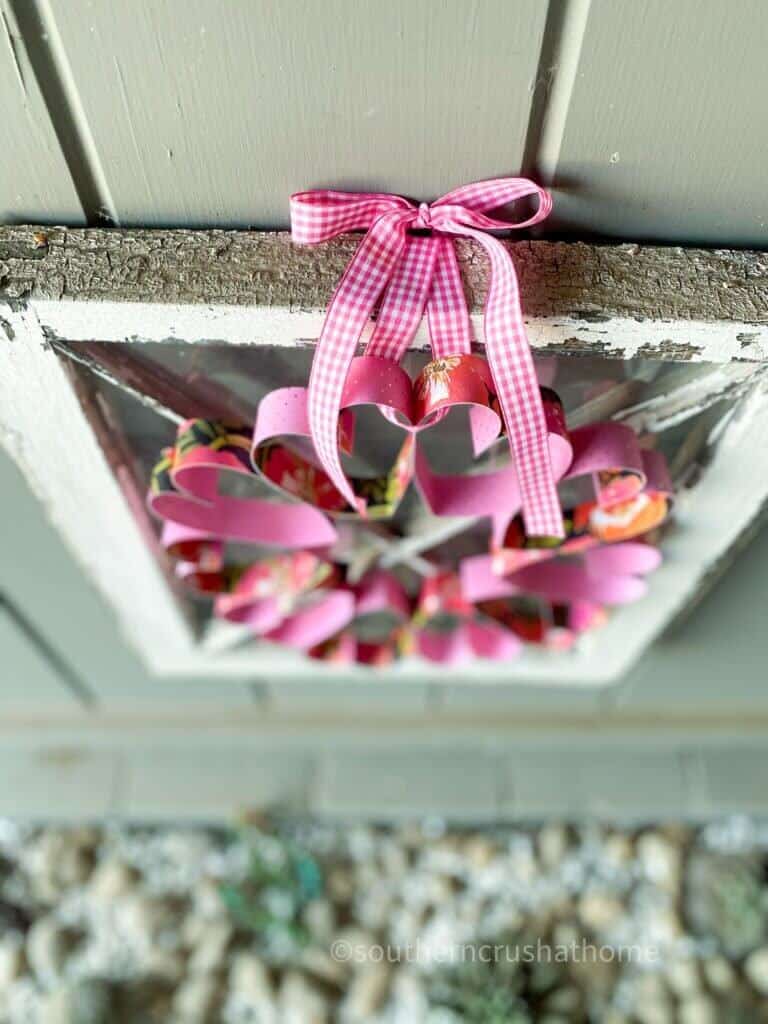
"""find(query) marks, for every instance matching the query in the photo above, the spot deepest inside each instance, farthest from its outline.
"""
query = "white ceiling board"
(35, 184)
(664, 135)
(209, 115)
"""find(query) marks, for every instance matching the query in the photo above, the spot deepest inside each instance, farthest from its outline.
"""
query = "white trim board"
(45, 429)
(214, 778)
(624, 337)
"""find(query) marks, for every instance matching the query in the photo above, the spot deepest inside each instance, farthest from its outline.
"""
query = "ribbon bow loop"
(482, 196)
(320, 215)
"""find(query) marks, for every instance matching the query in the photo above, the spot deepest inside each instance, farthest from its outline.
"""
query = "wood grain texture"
(648, 115)
(587, 282)
(203, 117)
(34, 180)
(665, 135)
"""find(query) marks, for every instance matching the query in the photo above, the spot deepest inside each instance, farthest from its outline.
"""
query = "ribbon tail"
(517, 388)
(403, 305)
(448, 316)
(349, 311)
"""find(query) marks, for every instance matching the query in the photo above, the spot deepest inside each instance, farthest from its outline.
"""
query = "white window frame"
(706, 307)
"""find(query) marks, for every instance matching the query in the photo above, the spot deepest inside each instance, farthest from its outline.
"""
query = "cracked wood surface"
(589, 282)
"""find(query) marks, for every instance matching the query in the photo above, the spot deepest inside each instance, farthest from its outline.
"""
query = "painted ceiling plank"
(719, 650)
(665, 135)
(35, 182)
(272, 98)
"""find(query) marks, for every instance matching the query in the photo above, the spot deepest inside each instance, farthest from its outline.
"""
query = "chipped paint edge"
(615, 337)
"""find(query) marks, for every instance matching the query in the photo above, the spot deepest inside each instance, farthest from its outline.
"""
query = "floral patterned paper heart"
(185, 489)
(281, 449)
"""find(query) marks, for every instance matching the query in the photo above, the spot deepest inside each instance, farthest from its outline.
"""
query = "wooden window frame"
(620, 301)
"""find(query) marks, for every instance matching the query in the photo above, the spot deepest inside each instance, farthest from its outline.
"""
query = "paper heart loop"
(185, 489)
(495, 494)
(454, 381)
(630, 500)
(303, 602)
(283, 453)
(612, 575)
(447, 628)
(282, 449)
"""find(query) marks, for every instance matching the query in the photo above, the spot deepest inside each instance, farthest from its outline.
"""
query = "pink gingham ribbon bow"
(320, 215)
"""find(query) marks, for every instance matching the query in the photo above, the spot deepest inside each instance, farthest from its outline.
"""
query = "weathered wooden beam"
(617, 300)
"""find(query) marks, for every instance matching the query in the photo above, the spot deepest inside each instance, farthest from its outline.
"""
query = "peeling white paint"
(619, 337)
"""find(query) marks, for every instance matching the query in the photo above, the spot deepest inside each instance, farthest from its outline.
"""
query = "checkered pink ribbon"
(423, 271)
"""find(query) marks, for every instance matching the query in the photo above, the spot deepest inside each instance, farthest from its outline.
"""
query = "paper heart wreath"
(549, 572)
